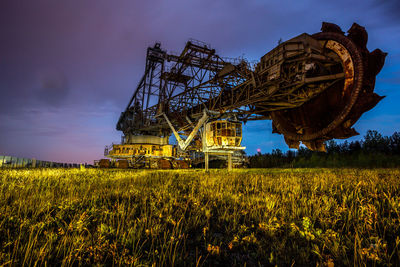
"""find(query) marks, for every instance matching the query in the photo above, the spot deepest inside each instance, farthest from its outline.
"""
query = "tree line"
(373, 151)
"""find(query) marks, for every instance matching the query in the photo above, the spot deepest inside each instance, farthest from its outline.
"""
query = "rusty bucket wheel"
(341, 45)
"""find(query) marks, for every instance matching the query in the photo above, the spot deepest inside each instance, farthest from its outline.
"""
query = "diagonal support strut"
(183, 144)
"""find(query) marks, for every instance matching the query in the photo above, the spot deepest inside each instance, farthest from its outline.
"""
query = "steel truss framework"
(295, 72)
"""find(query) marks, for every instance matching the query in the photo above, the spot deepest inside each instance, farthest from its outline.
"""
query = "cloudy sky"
(68, 68)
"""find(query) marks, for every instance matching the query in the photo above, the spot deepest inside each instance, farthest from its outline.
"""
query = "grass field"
(255, 217)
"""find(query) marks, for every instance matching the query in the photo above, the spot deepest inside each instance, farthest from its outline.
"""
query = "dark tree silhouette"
(374, 150)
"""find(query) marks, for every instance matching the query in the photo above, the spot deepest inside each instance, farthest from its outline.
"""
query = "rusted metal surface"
(165, 164)
(104, 163)
(122, 164)
(313, 87)
(347, 61)
(334, 112)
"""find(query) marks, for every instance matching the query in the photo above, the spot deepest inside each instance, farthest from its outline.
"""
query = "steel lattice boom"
(313, 88)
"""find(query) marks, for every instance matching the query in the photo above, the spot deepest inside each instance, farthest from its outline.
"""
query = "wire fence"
(15, 162)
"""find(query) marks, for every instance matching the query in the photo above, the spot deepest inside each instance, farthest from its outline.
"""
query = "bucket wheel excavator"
(313, 87)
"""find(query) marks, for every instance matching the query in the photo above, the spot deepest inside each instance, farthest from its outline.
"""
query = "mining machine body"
(313, 88)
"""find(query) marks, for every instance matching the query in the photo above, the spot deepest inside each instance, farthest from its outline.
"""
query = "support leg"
(206, 160)
(229, 161)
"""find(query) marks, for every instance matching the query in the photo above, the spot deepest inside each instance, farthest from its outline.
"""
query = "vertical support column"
(206, 160)
(229, 161)
(33, 163)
